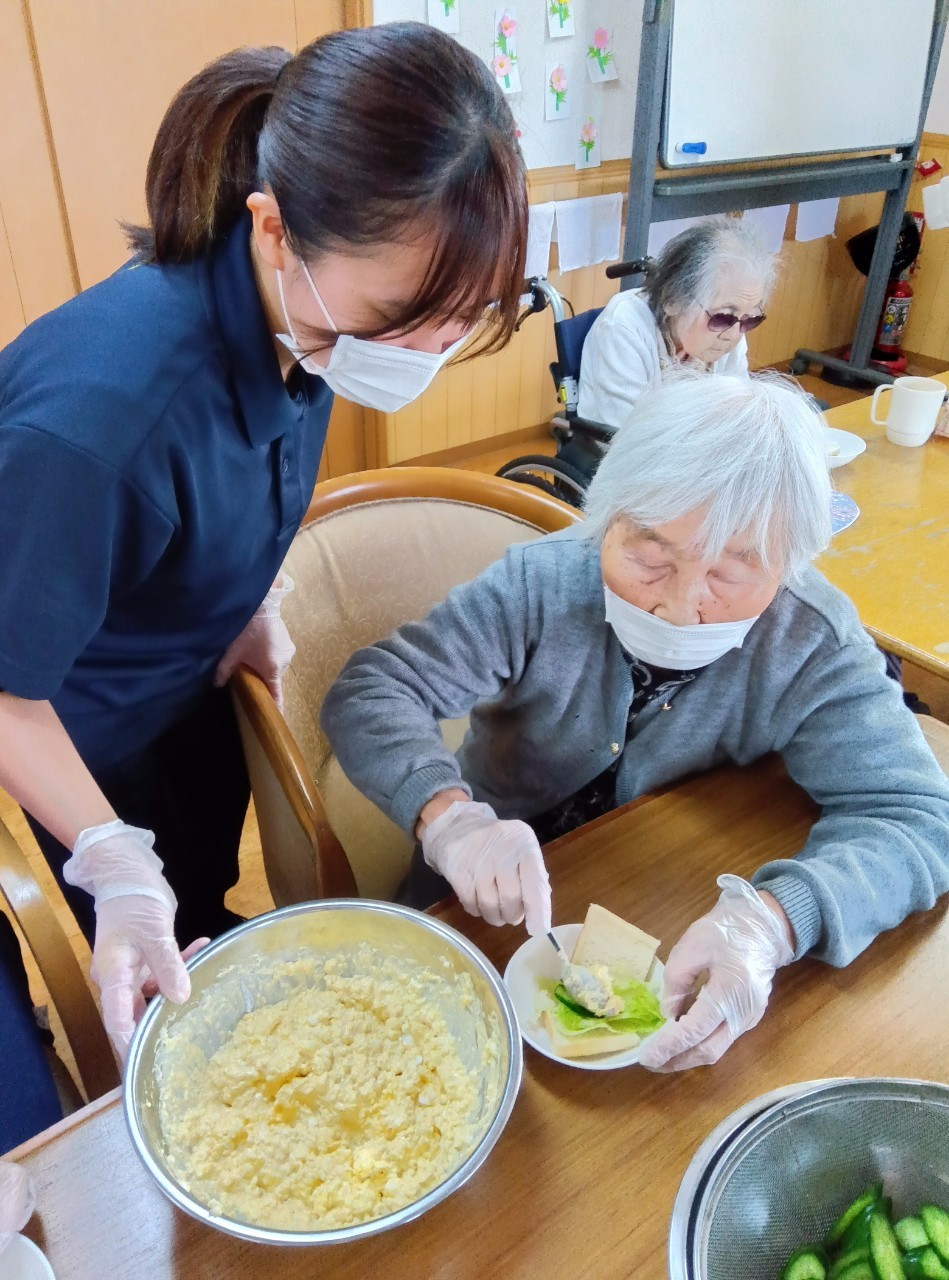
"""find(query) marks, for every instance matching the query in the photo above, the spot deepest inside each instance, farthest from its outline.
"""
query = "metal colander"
(781, 1178)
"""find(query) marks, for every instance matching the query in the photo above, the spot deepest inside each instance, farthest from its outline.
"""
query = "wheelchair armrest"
(597, 431)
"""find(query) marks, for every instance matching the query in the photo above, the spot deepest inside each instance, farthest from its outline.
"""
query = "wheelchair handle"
(637, 267)
(543, 294)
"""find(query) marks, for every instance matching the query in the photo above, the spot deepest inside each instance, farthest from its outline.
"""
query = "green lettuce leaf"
(640, 1011)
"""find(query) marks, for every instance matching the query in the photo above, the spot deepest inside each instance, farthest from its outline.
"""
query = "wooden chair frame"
(334, 875)
(60, 970)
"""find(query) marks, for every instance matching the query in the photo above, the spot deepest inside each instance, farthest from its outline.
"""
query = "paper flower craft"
(588, 137)
(560, 9)
(600, 48)
(558, 86)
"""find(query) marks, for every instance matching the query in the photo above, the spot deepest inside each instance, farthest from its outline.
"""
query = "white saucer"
(847, 444)
(528, 966)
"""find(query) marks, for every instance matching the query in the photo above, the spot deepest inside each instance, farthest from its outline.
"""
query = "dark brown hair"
(365, 137)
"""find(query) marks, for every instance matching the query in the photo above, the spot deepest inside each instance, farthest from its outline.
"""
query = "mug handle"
(880, 422)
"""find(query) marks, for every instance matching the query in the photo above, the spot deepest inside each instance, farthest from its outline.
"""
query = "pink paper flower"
(558, 80)
(507, 26)
(588, 132)
(501, 66)
(601, 38)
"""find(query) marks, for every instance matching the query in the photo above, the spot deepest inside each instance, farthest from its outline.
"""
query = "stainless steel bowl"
(775, 1175)
(230, 964)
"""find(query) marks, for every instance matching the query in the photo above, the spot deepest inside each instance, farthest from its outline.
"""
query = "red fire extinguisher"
(888, 343)
(887, 350)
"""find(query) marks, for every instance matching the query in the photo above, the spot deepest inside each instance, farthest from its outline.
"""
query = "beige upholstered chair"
(59, 968)
(937, 735)
(376, 550)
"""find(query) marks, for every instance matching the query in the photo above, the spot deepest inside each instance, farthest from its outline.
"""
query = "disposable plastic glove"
(135, 949)
(740, 943)
(495, 867)
(264, 645)
(17, 1201)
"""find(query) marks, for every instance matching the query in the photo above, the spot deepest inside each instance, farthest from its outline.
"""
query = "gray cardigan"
(525, 648)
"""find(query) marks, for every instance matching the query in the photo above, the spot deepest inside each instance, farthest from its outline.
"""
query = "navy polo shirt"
(154, 468)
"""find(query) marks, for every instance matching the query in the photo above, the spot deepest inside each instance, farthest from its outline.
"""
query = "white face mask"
(663, 644)
(373, 374)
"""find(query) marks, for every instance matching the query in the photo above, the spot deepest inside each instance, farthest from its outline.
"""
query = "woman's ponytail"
(203, 164)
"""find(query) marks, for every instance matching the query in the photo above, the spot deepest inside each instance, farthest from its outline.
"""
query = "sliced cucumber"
(885, 1249)
(936, 1222)
(869, 1200)
(809, 1263)
(847, 1259)
(924, 1264)
(860, 1270)
(857, 1235)
(911, 1234)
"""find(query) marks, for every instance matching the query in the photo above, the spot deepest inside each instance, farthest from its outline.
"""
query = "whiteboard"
(548, 143)
(758, 79)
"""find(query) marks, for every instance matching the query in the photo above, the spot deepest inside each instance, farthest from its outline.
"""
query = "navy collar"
(269, 410)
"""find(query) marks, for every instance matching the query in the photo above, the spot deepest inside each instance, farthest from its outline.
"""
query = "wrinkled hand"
(740, 944)
(264, 645)
(495, 867)
(17, 1201)
(135, 952)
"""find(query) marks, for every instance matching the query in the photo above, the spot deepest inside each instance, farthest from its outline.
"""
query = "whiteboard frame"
(676, 161)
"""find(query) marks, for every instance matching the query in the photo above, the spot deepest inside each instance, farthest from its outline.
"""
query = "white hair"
(685, 276)
(749, 452)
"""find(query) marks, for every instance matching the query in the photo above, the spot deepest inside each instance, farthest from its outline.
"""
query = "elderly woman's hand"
(740, 944)
(496, 867)
(17, 1201)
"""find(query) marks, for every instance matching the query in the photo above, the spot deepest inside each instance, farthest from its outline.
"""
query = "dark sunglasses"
(722, 321)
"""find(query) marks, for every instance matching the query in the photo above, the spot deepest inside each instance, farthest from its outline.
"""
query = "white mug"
(913, 409)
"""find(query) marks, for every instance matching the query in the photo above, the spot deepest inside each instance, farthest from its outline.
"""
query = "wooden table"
(582, 1181)
(894, 561)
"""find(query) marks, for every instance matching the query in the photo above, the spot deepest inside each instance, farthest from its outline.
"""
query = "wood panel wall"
(927, 332)
(37, 270)
(814, 305)
(87, 85)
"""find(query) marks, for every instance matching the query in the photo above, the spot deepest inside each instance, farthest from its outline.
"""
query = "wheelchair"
(581, 442)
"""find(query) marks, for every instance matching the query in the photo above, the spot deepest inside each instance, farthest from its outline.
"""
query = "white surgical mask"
(663, 644)
(373, 374)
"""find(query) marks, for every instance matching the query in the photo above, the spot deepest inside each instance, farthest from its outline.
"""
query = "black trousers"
(28, 1100)
(190, 787)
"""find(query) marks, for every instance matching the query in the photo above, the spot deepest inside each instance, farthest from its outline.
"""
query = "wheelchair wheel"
(558, 478)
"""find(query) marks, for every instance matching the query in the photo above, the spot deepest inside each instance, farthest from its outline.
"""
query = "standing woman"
(338, 221)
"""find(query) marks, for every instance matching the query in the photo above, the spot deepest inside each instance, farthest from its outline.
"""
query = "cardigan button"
(614, 747)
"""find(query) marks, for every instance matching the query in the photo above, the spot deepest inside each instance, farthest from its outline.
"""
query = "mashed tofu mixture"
(344, 1101)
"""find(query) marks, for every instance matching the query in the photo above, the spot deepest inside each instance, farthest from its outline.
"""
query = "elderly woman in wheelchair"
(704, 292)
(679, 627)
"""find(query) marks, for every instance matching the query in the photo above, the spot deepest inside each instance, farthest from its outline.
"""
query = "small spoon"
(589, 988)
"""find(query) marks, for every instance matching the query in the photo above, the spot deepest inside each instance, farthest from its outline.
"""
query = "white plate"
(21, 1260)
(537, 960)
(848, 447)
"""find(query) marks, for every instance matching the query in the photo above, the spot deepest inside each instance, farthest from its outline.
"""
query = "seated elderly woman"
(679, 627)
(706, 290)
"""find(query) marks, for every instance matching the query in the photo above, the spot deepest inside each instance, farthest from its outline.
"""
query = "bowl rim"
(706, 1158)
(269, 1235)
(758, 1121)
